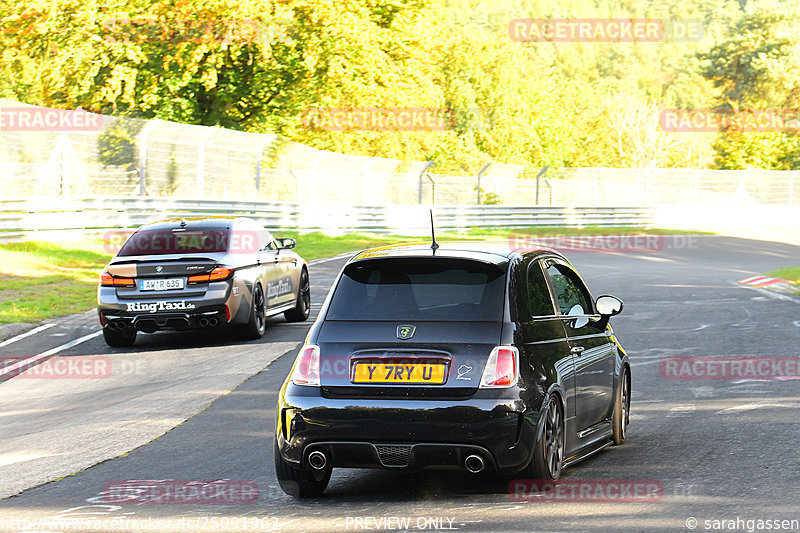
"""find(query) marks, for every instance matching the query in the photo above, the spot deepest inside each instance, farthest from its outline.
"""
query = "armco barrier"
(24, 218)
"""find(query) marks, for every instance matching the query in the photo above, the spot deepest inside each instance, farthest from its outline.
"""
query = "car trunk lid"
(165, 276)
(441, 359)
(411, 326)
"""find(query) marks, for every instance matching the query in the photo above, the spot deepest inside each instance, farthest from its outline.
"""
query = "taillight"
(218, 274)
(107, 280)
(306, 368)
(502, 368)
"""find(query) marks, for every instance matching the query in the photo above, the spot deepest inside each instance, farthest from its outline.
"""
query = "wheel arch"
(554, 391)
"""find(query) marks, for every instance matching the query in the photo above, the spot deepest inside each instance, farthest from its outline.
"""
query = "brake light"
(218, 274)
(107, 280)
(502, 368)
(306, 368)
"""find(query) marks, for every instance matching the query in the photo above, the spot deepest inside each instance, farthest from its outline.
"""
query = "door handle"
(577, 350)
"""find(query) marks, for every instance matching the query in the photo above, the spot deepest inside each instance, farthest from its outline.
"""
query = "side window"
(539, 300)
(568, 291)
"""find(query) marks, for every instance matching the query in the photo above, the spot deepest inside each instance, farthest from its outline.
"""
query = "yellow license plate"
(432, 373)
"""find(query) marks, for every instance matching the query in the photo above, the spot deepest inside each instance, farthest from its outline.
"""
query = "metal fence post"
(421, 175)
(298, 191)
(141, 189)
(201, 164)
(63, 178)
(550, 185)
(258, 165)
(539, 175)
(433, 188)
(480, 173)
(67, 166)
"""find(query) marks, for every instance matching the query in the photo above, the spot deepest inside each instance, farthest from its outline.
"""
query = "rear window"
(177, 241)
(419, 289)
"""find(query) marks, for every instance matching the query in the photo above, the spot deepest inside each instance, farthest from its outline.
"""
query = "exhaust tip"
(203, 322)
(317, 460)
(213, 322)
(474, 463)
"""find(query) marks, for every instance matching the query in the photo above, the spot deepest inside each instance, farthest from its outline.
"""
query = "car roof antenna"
(183, 222)
(434, 246)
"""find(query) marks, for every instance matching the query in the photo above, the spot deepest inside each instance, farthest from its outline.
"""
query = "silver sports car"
(192, 273)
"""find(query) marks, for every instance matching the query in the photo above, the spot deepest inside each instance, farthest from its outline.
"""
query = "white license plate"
(160, 284)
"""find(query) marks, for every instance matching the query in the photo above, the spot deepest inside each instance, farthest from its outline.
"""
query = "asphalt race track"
(200, 407)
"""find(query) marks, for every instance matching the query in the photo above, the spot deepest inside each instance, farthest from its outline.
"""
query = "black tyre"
(297, 482)
(119, 338)
(548, 455)
(622, 409)
(303, 304)
(257, 325)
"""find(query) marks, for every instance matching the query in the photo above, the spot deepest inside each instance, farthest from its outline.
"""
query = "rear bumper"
(164, 311)
(401, 456)
(428, 434)
(200, 317)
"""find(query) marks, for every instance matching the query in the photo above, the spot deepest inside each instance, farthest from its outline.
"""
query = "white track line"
(334, 258)
(36, 359)
(70, 344)
(34, 331)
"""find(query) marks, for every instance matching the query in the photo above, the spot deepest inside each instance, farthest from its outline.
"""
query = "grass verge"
(789, 273)
(40, 280)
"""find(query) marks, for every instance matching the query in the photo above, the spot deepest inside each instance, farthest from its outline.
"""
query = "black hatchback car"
(469, 356)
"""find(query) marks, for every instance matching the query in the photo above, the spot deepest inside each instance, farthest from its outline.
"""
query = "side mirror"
(286, 244)
(608, 305)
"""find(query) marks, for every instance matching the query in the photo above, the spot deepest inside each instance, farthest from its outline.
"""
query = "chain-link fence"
(158, 158)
